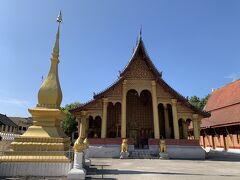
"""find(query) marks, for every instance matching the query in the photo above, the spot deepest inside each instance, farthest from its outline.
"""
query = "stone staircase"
(141, 154)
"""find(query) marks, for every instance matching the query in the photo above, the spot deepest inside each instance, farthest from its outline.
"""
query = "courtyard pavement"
(128, 169)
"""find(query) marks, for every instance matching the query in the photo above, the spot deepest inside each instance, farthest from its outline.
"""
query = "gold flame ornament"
(79, 146)
(86, 143)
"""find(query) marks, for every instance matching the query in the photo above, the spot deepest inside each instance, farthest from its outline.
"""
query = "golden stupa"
(44, 140)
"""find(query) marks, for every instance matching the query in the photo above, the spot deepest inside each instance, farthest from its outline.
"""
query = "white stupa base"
(77, 174)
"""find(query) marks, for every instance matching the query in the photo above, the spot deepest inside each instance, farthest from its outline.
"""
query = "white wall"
(34, 169)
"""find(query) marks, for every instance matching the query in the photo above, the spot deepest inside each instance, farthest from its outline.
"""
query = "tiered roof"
(6, 121)
(141, 51)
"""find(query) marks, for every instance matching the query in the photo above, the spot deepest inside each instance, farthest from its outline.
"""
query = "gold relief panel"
(114, 100)
(139, 70)
(116, 91)
(185, 116)
(94, 114)
(182, 108)
(161, 92)
(95, 105)
(139, 85)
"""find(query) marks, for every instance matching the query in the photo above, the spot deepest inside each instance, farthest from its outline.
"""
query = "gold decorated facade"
(140, 105)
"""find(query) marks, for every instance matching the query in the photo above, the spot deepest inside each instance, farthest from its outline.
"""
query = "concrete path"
(128, 169)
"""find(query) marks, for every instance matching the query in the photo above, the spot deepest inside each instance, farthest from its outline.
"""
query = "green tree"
(69, 124)
(199, 103)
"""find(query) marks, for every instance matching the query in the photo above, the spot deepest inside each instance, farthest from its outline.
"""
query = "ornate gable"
(115, 91)
(139, 70)
(140, 66)
(162, 92)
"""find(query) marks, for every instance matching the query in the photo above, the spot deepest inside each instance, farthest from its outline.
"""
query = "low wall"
(179, 148)
(106, 148)
(176, 148)
(8, 169)
(106, 151)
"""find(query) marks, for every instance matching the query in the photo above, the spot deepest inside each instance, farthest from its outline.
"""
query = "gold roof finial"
(140, 32)
(59, 18)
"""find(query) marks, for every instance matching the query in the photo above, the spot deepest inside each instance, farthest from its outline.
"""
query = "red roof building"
(224, 106)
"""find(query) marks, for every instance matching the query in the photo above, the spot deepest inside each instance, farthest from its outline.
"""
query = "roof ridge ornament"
(140, 32)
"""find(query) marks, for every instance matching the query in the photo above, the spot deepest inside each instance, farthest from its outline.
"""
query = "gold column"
(167, 128)
(196, 126)
(124, 114)
(82, 125)
(175, 118)
(104, 119)
(185, 130)
(78, 119)
(155, 111)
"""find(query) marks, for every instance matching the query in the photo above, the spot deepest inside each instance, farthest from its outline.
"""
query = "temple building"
(139, 106)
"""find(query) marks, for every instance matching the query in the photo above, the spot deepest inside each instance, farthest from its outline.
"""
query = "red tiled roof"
(224, 96)
(224, 106)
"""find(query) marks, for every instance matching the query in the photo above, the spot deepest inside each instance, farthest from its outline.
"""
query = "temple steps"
(141, 154)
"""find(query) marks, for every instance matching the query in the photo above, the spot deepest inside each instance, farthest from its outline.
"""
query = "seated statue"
(124, 146)
(162, 146)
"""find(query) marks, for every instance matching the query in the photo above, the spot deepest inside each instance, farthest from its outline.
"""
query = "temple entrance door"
(139, 117)
(134, 135)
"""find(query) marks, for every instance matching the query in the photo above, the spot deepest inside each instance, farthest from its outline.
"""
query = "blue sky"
(195, 43)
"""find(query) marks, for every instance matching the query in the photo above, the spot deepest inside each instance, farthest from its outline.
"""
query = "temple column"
(196, 126)
(82, 125)
(124, 114)
(79, 123)
(175, 119)
(185, 130)
(155, 111)
(104, 119)
(166, 117)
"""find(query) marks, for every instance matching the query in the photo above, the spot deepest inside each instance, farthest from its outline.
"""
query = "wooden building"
(222, 129)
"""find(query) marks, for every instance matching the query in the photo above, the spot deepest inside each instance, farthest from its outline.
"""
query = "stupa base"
(31, 156)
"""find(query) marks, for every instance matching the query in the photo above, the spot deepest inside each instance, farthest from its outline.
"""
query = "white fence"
(8, 136)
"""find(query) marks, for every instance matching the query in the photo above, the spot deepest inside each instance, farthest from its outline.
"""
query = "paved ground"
(129, 169)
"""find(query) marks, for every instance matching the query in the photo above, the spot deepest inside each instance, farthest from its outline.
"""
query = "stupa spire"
(50, 93)
(56, 46)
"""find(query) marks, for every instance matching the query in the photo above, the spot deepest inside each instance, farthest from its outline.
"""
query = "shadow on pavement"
(98, 172)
